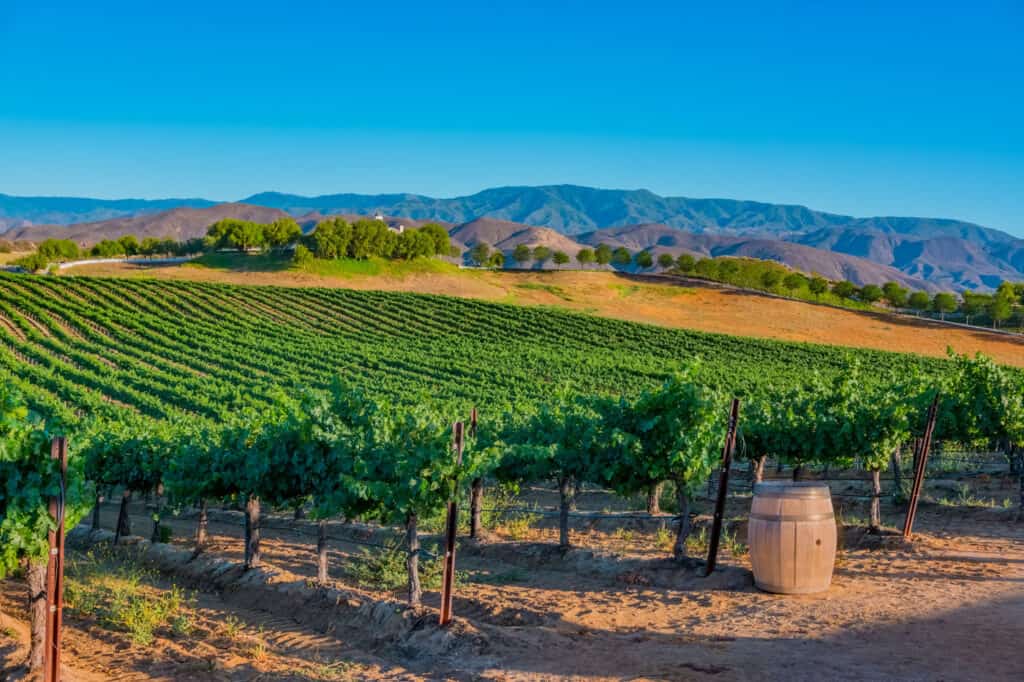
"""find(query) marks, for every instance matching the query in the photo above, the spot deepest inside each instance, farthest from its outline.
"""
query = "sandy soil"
(949, 606)
(694, 306)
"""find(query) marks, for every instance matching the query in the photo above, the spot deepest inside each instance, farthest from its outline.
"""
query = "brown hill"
(178, 223)
(834, 266)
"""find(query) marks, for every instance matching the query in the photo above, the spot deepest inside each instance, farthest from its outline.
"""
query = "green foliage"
(603, 254)
(644, 259)
(665, 261)
(303, 256)
(541, 254)
(844, 289)
(818, 285)
(522, 254)
(560, 258)
(686, 263)
(871, 293)
(919, 301)
(894, 294)
(480, 254)
(621, 256)
(29, 479)
(585, 256)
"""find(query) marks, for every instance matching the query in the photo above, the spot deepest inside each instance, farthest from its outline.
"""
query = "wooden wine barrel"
(792, 537)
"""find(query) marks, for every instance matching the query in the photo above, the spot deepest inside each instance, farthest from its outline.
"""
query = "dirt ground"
(693, 306)
(948, 606)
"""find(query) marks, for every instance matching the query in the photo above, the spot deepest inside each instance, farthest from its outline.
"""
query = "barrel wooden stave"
(792, 538)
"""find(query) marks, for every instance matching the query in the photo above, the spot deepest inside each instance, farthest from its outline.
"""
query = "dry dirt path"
(949, 607)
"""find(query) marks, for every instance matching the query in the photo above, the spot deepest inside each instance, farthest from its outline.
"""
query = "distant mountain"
(23, 211)
(949, 254)
(178, 223)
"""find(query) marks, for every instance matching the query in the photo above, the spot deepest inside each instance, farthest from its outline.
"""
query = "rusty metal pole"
(723, 486)
(919, 470)
(451, 527)
(55, 569)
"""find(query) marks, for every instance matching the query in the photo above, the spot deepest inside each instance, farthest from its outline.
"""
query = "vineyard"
(339, 405)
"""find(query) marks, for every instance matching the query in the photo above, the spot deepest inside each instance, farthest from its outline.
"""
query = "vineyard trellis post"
(920, 463)
(723, 486)
(55, 568)
(451, 527)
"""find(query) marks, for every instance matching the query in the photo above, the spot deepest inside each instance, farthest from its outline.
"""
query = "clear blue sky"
(863, 108)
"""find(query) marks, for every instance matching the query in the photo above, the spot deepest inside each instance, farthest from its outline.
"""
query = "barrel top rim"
(804, 487)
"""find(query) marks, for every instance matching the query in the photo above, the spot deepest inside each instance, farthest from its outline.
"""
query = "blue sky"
(861, 108)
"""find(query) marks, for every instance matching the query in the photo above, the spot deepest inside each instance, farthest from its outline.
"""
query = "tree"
(130, 244)
(818, 286)
(303, 257)
(794, 281)
(522, 254)
(497, 260)
(771, 278)
(666, 261)
(30, 478)
(585, 256)
(844, 289)
(919, 301)
(603, 254)
(686, 263)
(331, 238)
(944, 303)
(1000, 306)
(480, 254)
(728, 269)
(541, 254)
(281, 233)
(439, 236)
(972, 304)
(622, 257)
(706, 267)
(644, 259)
(871, 293)
(560, 258)
(894, 294)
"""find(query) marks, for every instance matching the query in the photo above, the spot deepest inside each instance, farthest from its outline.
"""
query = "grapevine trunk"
(321, 553)
(475, 502)
(683, 500)
(412, 560)
(565, 491)
(201, 526)
(876, 500)
(252, 532)
(124, 524)
(758, 465)
(36, 575)
(654, 498)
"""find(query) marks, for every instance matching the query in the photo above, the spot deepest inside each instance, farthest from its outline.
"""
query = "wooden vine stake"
(920, 463)
(476, 492)
(448, 576)
(723, 486)
(55, 569)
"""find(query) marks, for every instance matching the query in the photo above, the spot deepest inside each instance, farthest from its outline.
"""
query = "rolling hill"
(947, 254)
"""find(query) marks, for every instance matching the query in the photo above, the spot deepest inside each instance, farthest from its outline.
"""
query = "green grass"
(123, 597)
(549, 288)
(343, 267)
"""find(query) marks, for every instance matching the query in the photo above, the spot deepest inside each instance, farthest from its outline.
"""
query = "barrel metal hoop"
(828, 516)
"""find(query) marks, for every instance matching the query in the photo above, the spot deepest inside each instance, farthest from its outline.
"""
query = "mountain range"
(930, 252)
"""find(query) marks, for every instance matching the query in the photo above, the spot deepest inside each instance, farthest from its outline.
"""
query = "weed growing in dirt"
(624, 535)
(964, 498)
(505, 578)
(663, 539)
(733, 545)
(8, 633)
(232, 627)
(385, 569)
(122, 597)
(697, 543)
(517, 527)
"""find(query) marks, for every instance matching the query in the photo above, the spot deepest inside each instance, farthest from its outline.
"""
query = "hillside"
(178, 223)
(683, 305)
(947, 254)
(24, 211)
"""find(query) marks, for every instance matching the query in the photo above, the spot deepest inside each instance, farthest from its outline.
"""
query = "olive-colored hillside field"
(690, 306)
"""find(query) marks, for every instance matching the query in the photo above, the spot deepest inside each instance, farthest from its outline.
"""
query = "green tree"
(706, 267)
(644, 259)
(919, 301)
(439, 236)
(844, 289)
(303, 257)
(666, 261)
(281, 233)
(497, 259)
(894, 294)
(603, 254)
(818, 286)
(560, 258)
(541, 254)
(130, 244)
(794, 281)
(331, 239)
(944, 303)
(771, 278)
(1000, 306)
(728, 269)
(585, 256)
(686, 263)
(871, 293)
(480, 254)
(522, 254)
(972, 304)
(622, 257)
